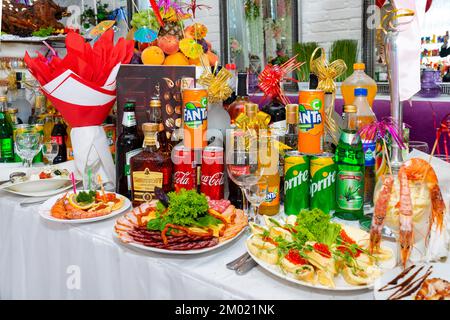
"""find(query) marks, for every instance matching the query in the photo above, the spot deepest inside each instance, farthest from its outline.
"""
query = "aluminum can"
(296, 182)
(213, 177)
(323, 182)
(311, 121)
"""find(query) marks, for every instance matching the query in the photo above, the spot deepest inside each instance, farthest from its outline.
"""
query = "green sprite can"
(296, 182)
(323, 182)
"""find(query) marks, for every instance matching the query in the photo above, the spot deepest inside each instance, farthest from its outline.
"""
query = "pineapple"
(173, 28)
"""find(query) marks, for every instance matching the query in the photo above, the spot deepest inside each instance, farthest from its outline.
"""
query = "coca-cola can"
(185, 169)
(213, 179)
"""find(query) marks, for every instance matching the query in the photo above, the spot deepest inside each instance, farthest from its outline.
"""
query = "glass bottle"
(20, 101)
(291, 135)
(129, 144)
(350, 167)
(59, 135)
(6, 133)
(365, 117)
(150, 168)
(237, 107)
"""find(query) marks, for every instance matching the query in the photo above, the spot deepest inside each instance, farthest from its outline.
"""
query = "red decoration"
(380, 3)
(272, 75)
(155, 8)
(429, 3)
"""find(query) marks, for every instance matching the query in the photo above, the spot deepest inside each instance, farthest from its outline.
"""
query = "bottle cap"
(361, 92)
(150, 127)
(130, 104)
(350, 109)
(230, 66)
(251, 109)
(359, 66)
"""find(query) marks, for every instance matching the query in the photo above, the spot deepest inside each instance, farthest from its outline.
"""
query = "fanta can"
(195, 118)
(311, 121)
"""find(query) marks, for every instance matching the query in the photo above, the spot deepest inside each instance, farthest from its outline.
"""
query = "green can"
(323, 182)
(296, 182)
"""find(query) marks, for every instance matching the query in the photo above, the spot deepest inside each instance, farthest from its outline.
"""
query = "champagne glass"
(242, 160)
(91, 170)
(27, 144)
(256, 194)
(50, 151)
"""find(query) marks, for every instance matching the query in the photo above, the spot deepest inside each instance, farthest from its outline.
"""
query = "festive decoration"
(157, 12)
(261, 121)
(443, 131)
(270, 78)
(102, 27)
(193, 7)
(191, 48)
(381, 130)
(216, 83)
(23, 19)
(82, 87)
(145, 35)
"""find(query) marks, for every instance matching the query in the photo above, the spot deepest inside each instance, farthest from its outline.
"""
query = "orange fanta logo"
(311, 117)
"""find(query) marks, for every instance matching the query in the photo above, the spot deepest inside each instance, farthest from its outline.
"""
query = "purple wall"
(424, 117)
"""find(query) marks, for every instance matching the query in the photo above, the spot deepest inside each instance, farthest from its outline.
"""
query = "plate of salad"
(183, 222)
(313, 251)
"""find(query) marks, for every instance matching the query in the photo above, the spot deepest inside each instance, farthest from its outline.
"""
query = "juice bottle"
(268, 162)
(365, 116)
(359, 79)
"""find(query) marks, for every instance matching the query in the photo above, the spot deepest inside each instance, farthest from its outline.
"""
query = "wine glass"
(91, 170)
(420, 146)
(50, 151)
(27, 144)
(242, 160)
(256, 194)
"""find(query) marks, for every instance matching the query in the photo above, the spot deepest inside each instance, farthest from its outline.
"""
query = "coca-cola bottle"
(59, 134)
(213, 178)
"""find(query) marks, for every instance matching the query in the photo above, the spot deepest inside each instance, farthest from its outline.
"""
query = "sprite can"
(296, 182)
(323, 182)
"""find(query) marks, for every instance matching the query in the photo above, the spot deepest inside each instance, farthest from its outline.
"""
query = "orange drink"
(195, 118)
(311, 121)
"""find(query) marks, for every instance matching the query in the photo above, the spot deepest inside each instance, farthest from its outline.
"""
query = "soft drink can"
(213, 178)
(296, 182)
(195, 116)
(185, 169)
(323, 182)
(311, 121)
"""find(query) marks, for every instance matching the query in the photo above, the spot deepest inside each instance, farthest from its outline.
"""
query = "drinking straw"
(74, 185)
(89, 178)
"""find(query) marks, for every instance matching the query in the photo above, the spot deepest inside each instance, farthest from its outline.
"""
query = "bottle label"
(350, 190)
(58, 139)
(196, 113)
(144, 184)
(129, 119)
(6, 148)
(127, 168)
(369, 153)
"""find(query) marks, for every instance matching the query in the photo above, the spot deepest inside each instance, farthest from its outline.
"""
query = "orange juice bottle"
(359, 79)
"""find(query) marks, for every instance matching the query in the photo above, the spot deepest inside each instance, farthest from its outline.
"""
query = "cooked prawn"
(406, 231)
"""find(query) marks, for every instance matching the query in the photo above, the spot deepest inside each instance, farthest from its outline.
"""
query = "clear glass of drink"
(256, 194)
(27, 144)
(50, 151)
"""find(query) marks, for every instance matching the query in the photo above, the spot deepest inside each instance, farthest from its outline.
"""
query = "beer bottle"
(129, 143)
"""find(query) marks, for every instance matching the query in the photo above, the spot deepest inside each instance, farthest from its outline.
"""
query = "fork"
(236, 263)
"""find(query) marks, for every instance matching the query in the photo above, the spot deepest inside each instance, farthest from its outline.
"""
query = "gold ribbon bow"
(261, 121)
(327, 73)
(217, 85)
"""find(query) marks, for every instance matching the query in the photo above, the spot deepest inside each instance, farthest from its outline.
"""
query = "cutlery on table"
(248, 265)
(13, 176)
(236, 263)
(32, 203)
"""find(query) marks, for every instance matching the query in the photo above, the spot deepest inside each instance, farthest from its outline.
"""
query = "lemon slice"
(82, 206)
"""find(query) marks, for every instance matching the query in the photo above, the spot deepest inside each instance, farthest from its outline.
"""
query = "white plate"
(179, 252)
(41, 185)
(44, 211)
(39, 192)
(341, 284)
(440, 270)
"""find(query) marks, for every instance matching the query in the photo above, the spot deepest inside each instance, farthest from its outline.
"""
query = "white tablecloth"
(40, 259)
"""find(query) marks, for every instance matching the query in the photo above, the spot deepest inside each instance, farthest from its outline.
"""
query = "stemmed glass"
(91, 170)
(27, 144)
(242, 160)
(256, 194)
(50, 151)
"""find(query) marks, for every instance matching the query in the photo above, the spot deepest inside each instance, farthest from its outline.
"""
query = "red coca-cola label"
(57, 139)
(184, 179)
(213, 179)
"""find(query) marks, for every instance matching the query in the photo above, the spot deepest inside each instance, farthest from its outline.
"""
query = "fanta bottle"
(359, 79)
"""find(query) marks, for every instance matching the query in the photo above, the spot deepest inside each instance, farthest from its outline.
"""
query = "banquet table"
(40, 259)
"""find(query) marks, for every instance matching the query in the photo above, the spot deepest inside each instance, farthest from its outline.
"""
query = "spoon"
(13, 177)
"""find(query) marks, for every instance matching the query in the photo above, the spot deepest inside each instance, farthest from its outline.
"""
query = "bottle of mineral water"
(350, 167)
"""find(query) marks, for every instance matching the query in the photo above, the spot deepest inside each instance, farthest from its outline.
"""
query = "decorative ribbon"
(381, 130)
(216, 84)
(155, 8)
(327, 73)
(193, 7)
(261, 121)
(272, 75)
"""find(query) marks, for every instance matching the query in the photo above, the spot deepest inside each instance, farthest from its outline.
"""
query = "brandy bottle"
(150, 168)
